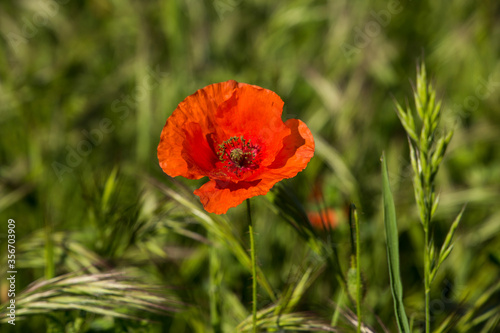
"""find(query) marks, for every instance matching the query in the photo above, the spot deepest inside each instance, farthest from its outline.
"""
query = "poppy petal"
(187, 151)
(254, 113)
(297, 151)
(218, 196)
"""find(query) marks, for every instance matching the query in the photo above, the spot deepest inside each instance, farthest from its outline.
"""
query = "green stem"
(358, 269)
(428, 191)
(214, 291)
(49, 251)
(427, 282)
(49, 266)
(340, 302)
(254, 269)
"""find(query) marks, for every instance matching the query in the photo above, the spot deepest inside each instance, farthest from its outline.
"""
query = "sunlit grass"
(83, 99)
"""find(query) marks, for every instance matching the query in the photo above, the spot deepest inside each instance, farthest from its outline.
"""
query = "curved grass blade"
(221, 230)
(113, 294)
(391, 232)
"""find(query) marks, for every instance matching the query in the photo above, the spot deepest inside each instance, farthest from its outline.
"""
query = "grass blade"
(391, 232)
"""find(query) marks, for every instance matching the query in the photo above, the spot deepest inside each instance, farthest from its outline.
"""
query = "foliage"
(86, 87)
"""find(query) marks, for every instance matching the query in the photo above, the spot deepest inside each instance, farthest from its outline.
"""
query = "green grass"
(86, 87)
(391, 232)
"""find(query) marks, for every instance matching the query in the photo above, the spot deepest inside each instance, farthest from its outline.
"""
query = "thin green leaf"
(391, 231)
(447, 246)
(109, 188)
(407, 120)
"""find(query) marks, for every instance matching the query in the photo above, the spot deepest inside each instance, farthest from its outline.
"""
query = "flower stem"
(214, 291)
(254, 269)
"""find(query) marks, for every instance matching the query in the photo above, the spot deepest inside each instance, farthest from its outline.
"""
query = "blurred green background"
(86, 87)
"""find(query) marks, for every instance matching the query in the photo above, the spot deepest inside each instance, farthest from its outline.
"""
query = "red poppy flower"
(327, 219)
(233, 134)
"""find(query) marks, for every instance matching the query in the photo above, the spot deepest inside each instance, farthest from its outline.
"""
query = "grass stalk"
(358, 268)
(254, 268)
(215, 281)
(339, 302)
(49, 251)
(427, 149)
(427, 281)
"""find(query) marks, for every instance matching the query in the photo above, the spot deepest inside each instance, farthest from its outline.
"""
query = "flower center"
(239, 155)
